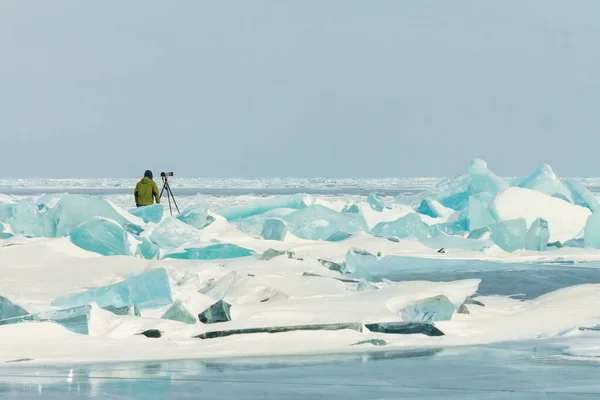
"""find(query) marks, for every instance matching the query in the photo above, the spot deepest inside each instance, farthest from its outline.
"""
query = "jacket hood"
(145, 181)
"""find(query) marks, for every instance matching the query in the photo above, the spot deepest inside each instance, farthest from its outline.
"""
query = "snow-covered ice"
(471, 260)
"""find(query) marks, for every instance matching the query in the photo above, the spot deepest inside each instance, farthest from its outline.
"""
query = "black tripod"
(166, 187)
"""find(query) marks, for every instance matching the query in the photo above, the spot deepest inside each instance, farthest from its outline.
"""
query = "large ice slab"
(318, 222)
(152, 213)
(108, 238)
(545, 181)
(480, 213)
(581, 195)
(253, 225)
(72, 210)
(147, 290)
(24, 218)
(509, 235)
(410, 226)
(211, 252)
(565, 221)
(297, 202)
(592, 231)
(375, 202)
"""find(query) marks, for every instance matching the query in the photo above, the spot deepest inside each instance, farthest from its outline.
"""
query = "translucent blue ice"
(580, 194)
(431, 309)
(450, 228)
(409, 226)
(544, 180)
(318, 222)
(211, 252)
(152, 213)
(537, 236)
(10, 310)
(102, 236)
(233, 213)
(254, 225)
(456, 201)
(147, 290)
(427, 208)
(509, 235)
(195, 214)
(483, 180)
(479, 212)
(375, 202)
(74, 319)
(178, 312)
(173, 233)
(274, 229)
(72, 210)
(338, 237)
(24, 218)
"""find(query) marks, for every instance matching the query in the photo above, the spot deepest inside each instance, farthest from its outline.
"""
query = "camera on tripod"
(167, 188)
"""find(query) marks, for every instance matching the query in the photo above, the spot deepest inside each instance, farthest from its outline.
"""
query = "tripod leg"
(169, 198)
(163, 188)
(174, 202)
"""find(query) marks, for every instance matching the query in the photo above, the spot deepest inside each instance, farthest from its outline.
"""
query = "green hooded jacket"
(146, 192)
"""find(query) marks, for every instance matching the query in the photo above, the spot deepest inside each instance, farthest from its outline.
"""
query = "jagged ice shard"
(152, 213)
(438, 308)
(483, 180)
(147, 290)
(409, 226)
(592, 231)
(72, 210)
(10, 310)
(318, 222)
(74, 319)
(538, 235)
(545, 181)
(195, 215)
(375, 202)
(480, 213)
(581, 195)
(274, 229)
(211, 252)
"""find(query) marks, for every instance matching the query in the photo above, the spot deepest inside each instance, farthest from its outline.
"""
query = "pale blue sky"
(298, 88)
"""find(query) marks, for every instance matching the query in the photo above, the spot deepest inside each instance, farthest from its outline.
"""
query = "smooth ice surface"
(102, 236)
(480, 213)
(318, 222)
(274, 229)
(538, 235)
(152, 213)
(150, 289)
(544, 180)
(509, 235)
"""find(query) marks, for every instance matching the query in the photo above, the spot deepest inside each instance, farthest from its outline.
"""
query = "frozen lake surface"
(503, 371)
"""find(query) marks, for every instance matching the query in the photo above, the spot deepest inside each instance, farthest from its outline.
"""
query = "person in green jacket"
(146, 191)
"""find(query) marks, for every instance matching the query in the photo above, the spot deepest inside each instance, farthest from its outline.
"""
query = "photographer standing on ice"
(146, 191)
